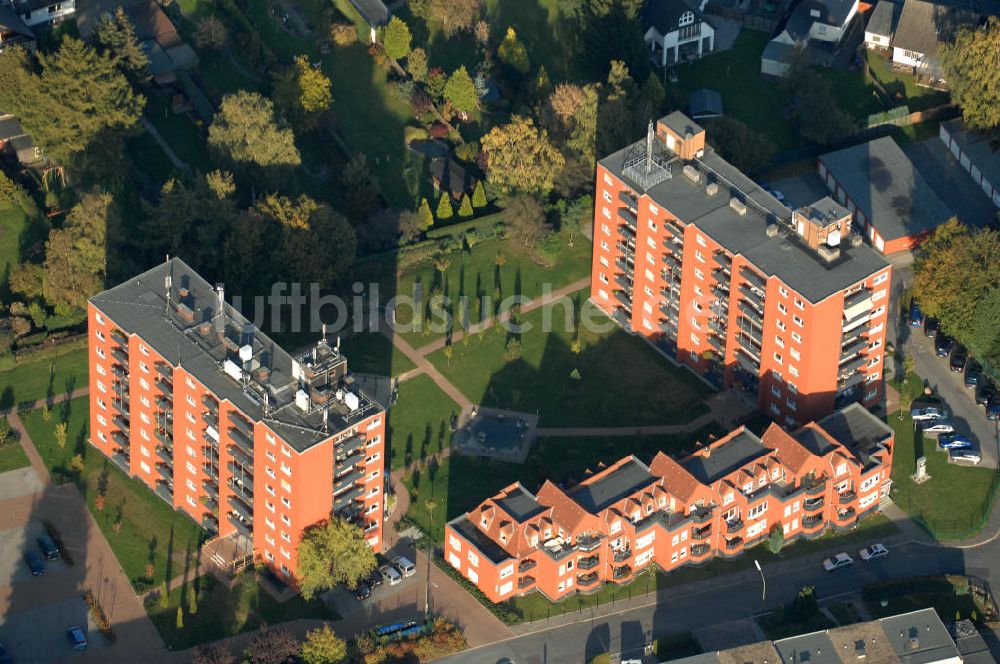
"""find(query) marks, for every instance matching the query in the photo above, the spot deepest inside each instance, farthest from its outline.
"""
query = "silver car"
(938, 427)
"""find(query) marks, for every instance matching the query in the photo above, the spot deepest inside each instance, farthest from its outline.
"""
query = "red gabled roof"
(676, 479)
(565, 511)
(790, 451)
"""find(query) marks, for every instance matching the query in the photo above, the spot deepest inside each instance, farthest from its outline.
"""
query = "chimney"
(220, 306)
(771, 230)
(856, 240)
(692, 174)
(711, 189)
(738, 206)
(828, 253)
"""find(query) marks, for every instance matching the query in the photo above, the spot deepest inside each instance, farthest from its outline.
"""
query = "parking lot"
(38, 636)
(14, 542)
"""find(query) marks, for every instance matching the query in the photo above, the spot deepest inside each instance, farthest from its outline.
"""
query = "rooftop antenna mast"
(167, 283)
(650, 137)
(326, 419)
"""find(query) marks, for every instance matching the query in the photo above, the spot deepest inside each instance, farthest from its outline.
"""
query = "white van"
(404, 565)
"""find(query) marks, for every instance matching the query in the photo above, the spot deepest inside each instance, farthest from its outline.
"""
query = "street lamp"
(763, 592)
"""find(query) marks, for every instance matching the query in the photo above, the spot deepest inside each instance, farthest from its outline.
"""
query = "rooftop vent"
(738, 206)
(856, 240)
(828, 253)
(692, 174)
(771, 230)
(711, 189)
(859, 649)
(302, 401)
(185, 312)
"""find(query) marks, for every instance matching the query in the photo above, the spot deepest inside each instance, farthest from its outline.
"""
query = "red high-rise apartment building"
(693, 255)
(189, 397)
(719, 501)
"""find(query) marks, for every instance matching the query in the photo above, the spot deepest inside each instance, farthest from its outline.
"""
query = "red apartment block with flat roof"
(718, 502)
(252, 443)
(696, 257)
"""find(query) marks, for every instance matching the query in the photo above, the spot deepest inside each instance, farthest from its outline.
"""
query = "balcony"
(628, 199)
(349, 446)
(210, 502)
(165, 370)
(347, 479)
(715, 342)
(626, 232)
(121, 405)
(625, 265)
(241, 423)
(119, 336)
(622, 317)
(700, 549)
(734, 543)
(166, 471)
(721, 289)
(164, 490)
(857, 297)
(119, 354)
(622, 555)
(747, 362)
(624, 297)
(621, 573)
(241, 472)
(753, 297)
(526, 565)
(815, 486)
(590, 562)
(846, 516)
(847, 497)
(851, 366)
(588, 542)
(748, 345)
(734, 526)
(242, 458)
(210, 487)
(241, 508)
(672, 261)
(346, 499)
(587, 580)
(121, 459)
(669, 325)
(210, 418)
(753, 278)
(120, 438)
(629, 217)
(210, 523)
(165, 385)
(812, 520)
(525, 582)
(723, 260)
(244, 490)
(210, 402)
(165, 453)
(119, 371)
(241, 439)
(698, 534)
(242, 528)
(813, 504)
(851, 332)
(701, 514)
(624, 280)
(626, 248)
(751, 314)
(853, 347)
(161, 435)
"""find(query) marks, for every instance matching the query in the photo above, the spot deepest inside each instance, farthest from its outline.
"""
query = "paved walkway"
(162, 142)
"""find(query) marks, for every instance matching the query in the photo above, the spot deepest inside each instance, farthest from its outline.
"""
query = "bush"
(411, 134)
(102, 621)
(343, 34)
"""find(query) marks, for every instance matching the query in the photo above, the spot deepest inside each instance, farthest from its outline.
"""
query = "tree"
(59, 433)
(424, 213)
(465, 210)
(211, 33)
(453, 15)
(813, 108)
(396, 39)
(360, 196)
(273, 645)
(479, 196)
(212, 655)
(6, 433)
(115, 37)
(444, 208)
(526, 219)
(441, 264)
(520, 157)
(984, 341)
(583, 136)
(776, 540)
(192, 599)
(565, 102)
(323, 646)
(332, 552)
(75, 255)
(512, 350)
(461, 91)
(245, 132)
(180, 619)
(970, 65)
(615, 36)
(410, 225)
(77, 96)
(416, 64)
(303, 93)
(513, 53)
(744, 148)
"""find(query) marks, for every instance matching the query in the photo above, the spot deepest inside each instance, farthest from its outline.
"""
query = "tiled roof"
(791, 453)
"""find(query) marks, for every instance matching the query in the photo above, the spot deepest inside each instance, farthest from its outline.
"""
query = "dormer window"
(503, 537)
(486, 522)
(687, 18)
(814, 13)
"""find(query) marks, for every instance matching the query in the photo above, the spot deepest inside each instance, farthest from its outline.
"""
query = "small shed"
(448, 175)
(705, 104)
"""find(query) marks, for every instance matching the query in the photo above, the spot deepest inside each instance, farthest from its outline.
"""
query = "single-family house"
(16, 143)
(882, 25)
(156, 33)
(814, 26)
(13, 30)
(448, 175)
(375, 14)
(705, 104)
(677, 31)
(922, 27)
(42, 12)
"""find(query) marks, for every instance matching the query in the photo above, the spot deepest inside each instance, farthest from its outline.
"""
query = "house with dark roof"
(922, 28)
(677, 31)
(705, 104)
(814, 27)
(448, 175)
(882, 25)
(13, 30)
(42, 12)
(890, 200)
(719, 501)
(156, 33)
(375, 14)
(17, 144)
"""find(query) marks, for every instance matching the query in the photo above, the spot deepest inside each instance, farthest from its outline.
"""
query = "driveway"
(950, 182)
(801, 190)
(38, 636)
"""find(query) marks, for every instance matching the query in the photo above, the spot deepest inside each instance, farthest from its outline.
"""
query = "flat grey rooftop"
(814, 648)
(731, 455)
(611, 487)
(984, 152)
(920, 637)
(520, 505)
(886, 187)
(479, 539)
(190, 329)
(782, 255)
(855, 428)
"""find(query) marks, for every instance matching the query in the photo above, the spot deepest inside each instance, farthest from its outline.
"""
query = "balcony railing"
(723, 259)
(672, 261)
(816, 487)
(753, 297)
(751, 314)
(813, 504)
(165, 471)
(734, 543)
(239, 474)
(624, 281)
(701, 533)
(846, 515)
(622, 555)
(628, 199)
(242, 508)
(624, 264)
(119, 336)
(209, 402)
(211, 418)
(241, 423)
(857, 297)
(700, 549)
(120, 438)
(526, 565)
(209, 522)
(629, 217)
(347, 498)
(120, 458)
(626, 231)
(349, 446)
(211, 488)
(588, 542)
(674, 227)
(621, 573)
(848, 497)
(242, 458)
(525, 582)
(120, 354)
(624, 298)
(349, 478)
(241, 439)
(163, 490)
(165, 453)
(245, 489)
(812, 520)
(242, 528)
(754, 278)
(587, 580)
(121, 405)
(734, 526)
(590, 562)
(119, 370)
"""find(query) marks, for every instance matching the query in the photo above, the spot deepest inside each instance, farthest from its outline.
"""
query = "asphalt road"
(679, 610)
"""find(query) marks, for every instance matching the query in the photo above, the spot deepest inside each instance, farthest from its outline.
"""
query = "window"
(286, 502)
(782, 308)
(603, 277)
(757, 510)
(699, 274)
(269, 522)
(143, 349)
(795, 354)
(607, 195)
(695, 340)
(650, 259)
(99, 335)
(782, 291)
(778, 340)
(270, 489)
(269, 505)
(285, 536)
(144, 367)
(798, 321)
(191, 451)
(652, 226)
(700, 257)
(99, 318)
(800, 304)
(880, 279)
(781, 325)
(729, 497)
(606, 212)
(869, 483)
(777, 358)
(100, 352)
(604, 261)
(796, 337)
(473, 559)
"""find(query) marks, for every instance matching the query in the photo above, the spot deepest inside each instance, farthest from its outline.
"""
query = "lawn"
(150, 531)
(784, 629)
(474, 275)
(12, 224)
(946, 594)
(736, 74)
(44, 374)
(223, 612)
(552, 40)
(647, 389)
(420, 422)
(903, 87)
(12, 457)
(179, 132)
(373, 353)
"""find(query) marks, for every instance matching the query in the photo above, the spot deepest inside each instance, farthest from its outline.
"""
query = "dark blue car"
(955, 441)
(35, 563)
(916, 315)
(76, 638)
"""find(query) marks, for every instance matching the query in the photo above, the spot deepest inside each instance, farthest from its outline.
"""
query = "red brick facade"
(718, 502)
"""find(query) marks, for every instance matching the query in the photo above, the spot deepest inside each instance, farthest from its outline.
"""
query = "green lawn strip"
(223, 612)
(12, 457)
(12, 224)
(150, 529)
(281, 41)
(45, 373)
(916, 97)
(955, 502)
(373, 353)
(420, 422)
(474, 275)
(736, 75)
(551, 39)
(647, 389)
(844, 613)
(179, 132)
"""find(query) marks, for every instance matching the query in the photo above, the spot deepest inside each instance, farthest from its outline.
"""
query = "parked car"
(76, 638)
(938, 427)
(916, 316)
(35, 564)
(985, 393)
(49, 548)
(926, 413)
(5, 657)
(873, 552)
(390, 574)
(993, 409)
(973, 374)
(959, 357)
(955, 441)
(404, 565)
(363, 590)
(965, 456)
(943, 344)
(839, 561)
(931, 326)
(374, 579)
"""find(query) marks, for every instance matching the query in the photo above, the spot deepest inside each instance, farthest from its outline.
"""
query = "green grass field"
(12, 224)
(372, 352)
(647, 389)
(151, 532)
(420, 422)
(44, 374)
(12, 457)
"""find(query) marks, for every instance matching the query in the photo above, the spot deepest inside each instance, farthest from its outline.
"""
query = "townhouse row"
(723, 499)
(254, 444)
